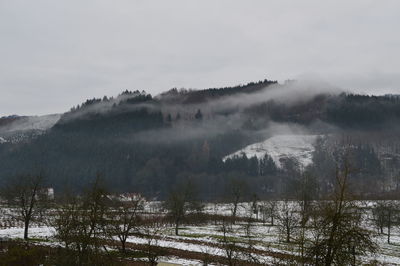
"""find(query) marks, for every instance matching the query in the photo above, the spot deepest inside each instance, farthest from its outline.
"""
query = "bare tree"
(64, 219)
(384, 214)
(206, 252)
(151, 229)
(27, 195)
(229, 245)
(254, 208)
(236, 191)
(340, 236)
(179, 202)
(306, 192)
(288, 219)
(389, 217)
(250, 242)
(80, 222)
(122, 219)
(268, 210)
(379, 215)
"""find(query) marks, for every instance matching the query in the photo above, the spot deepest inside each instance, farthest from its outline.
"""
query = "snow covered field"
(206, 239)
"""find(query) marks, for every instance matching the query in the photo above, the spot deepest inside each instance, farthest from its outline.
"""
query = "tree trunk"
(234, 212)
(389, 225)
(26, 229)
(287, 227)
(176, 228)
(123, 246)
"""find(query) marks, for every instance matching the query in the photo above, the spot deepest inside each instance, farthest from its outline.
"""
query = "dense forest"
(147, 144)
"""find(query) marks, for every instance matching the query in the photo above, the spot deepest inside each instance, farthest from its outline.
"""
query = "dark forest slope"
(149, 144)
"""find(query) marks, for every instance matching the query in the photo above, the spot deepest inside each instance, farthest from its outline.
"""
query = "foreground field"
(247, 242)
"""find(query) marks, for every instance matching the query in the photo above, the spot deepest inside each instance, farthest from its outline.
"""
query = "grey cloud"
(55, 54)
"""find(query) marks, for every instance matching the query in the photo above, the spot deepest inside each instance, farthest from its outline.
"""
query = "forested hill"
(147, 144)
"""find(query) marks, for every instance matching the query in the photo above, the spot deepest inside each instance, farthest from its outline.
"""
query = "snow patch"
(32, 123)
(27, 127)
(280, 147)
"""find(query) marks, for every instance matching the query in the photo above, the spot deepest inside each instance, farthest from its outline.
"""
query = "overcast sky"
(56, 54)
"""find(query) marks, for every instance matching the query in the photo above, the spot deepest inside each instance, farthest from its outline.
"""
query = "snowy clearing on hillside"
(31, 123)
(26, 128)
(280, 147)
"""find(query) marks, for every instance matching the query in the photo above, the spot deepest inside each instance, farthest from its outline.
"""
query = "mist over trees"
(150, 144)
